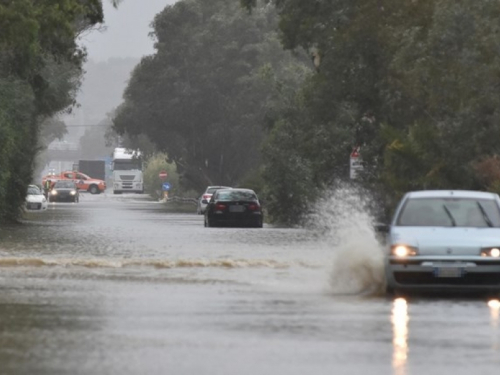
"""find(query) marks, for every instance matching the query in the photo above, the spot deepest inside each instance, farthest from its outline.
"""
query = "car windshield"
(449, 212)
(64, 184)
(127, 165)
(236, 195)
(33, 191)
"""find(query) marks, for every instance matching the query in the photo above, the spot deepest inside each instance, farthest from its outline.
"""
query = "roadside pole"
(163, 175)
(355, 163)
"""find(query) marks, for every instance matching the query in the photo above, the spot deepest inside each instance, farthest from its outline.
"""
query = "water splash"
(346, 225)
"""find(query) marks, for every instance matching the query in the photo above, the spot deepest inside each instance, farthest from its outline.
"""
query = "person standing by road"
(47, 186)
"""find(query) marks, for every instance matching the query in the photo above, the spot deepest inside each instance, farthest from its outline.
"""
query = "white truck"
(127, 171)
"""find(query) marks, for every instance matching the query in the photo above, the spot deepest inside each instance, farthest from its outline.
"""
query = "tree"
(40, 67)
(201, 97)
(412, 83)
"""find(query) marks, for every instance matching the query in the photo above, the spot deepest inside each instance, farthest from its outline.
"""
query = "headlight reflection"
(494, 306)
(399, 319)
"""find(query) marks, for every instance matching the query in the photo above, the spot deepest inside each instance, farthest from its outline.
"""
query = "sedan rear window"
(235, 195)
(214, 189)
(449, 212)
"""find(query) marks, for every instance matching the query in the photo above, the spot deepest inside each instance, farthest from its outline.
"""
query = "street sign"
(355, 163)
(165, 186)
(163, 174)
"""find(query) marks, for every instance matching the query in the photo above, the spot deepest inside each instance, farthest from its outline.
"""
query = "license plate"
(33, 206)
(236, 208)
(449, 272)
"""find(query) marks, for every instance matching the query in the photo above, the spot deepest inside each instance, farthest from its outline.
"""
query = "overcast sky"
(127, 30)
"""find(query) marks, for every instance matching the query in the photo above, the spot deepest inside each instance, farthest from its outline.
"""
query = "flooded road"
(119, 285)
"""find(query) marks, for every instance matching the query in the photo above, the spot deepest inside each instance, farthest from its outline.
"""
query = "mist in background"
(113, 51)
(127, 29)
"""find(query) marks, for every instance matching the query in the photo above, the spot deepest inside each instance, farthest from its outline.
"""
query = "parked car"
(35, 200)
(83, 182)
(234, 207)
(444, 241)
(203, 201)
(64, 191)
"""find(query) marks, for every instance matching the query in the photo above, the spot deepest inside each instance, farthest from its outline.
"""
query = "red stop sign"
(163, 175)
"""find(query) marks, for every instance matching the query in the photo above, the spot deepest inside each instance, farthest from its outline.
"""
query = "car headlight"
(72, 192)
(53, 192)
(403, 251)
(492, 252)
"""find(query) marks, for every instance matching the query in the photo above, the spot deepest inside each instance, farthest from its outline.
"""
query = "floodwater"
(119, 285)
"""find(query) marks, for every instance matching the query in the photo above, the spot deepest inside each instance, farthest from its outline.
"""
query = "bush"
(152, 183)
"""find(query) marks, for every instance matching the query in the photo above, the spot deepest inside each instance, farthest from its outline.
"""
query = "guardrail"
(193, 201)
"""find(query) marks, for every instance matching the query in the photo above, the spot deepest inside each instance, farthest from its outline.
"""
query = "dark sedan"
(238, 207)
(64, 191)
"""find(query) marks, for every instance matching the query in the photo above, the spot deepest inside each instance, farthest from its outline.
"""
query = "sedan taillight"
(253, 207)
(220, 207)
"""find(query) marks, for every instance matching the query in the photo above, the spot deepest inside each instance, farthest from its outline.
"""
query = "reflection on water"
(399, 319)
(494, 306)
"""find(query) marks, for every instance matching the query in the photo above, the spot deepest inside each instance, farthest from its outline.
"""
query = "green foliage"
(287, 174)
(448, 98)
(413, 83)
(16, 130)
(202, 97)
(40, 65)
(152, 182)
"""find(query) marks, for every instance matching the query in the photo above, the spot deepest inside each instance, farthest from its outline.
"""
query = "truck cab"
(127, 171)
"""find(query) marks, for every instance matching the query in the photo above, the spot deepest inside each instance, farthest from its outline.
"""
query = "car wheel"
(93, 189)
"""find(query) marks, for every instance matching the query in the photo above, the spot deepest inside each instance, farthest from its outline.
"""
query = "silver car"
(35, 200)
(444, 240)
(207, 195)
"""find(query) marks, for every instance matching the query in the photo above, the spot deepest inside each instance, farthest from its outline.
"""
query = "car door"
(71, 176)
(82, 181)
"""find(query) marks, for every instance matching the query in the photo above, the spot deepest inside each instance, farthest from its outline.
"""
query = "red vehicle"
(83, 182)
